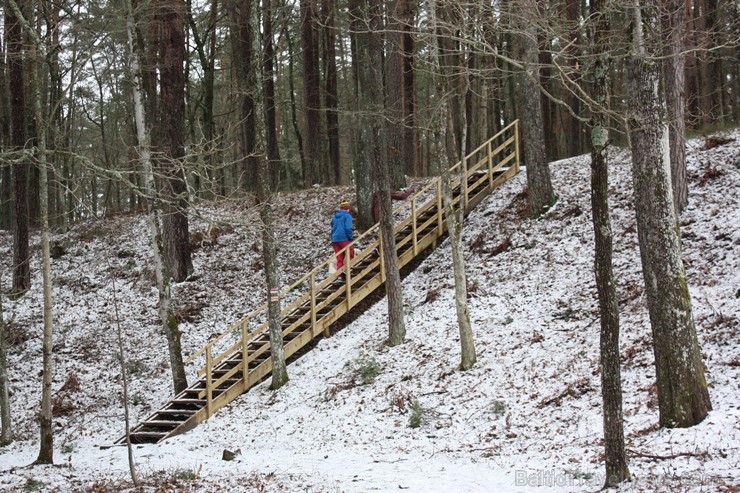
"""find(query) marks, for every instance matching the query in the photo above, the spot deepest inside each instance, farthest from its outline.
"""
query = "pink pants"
(340, 258)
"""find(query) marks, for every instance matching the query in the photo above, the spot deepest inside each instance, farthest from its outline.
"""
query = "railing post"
(440, 218)
(245, 352)
(464, 183)
(209, 380)
(380, 256)
(516, 144)
(489, 151)
(347, 274)
(414, 232)
(313, 299)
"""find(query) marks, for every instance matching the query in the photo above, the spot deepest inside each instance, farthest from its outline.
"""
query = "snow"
(527, 417)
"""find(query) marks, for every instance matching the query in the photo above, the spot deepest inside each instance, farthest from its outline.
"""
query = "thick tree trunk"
(166, 311)
(411, 144)
(683, 397)
(541, 195)
(394, 94)
(240, 14)
(371, 87)
(314, 170)
(172, 107)
(674, 71)
(6, 189)
(360, 138)
(332, 95)
(21, 254)
(617, 470)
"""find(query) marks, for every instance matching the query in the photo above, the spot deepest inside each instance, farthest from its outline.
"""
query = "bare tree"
(611, 377)
(683, 397)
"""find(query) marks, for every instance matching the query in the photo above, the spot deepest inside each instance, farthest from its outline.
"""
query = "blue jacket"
(341, 226)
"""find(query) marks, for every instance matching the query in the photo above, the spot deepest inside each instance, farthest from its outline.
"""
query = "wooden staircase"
(240, 357)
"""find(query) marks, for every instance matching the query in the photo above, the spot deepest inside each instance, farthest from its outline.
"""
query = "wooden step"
(159, 423)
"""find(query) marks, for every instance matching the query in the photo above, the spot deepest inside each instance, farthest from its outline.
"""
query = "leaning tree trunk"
(539, 184)
(683, 397)
(617, 470)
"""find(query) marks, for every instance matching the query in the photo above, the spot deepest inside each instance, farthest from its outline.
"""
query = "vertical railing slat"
(414, 231)
(209, 380)
(245, 352)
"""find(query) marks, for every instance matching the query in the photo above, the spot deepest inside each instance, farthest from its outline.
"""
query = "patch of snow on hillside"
(527, 417)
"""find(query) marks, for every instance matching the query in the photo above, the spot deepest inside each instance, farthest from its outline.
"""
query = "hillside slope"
(526, 417)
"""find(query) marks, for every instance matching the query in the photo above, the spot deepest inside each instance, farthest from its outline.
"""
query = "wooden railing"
(419, 223)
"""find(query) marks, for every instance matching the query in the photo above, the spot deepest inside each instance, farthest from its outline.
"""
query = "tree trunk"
(541, 196)
(394, 94)
(291, 89)
(313, 173)
(674, 72)
(6, 436)
(21, 254)
(454, 215)
(264, 198)
(166, 312)
(617, 470)
(683, 397)
(46, 435)
(411, 144)
(454, 223)
(360, 137)
(332, 96)
(240, 13)
(6, 189)
(172, 107)
(371, 87)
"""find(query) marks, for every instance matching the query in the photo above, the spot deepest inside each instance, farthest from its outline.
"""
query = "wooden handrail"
(308, 295)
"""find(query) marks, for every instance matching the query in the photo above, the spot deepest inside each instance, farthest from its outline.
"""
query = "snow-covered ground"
(527, 417)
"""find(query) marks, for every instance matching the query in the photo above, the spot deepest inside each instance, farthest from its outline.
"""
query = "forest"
(198, 119)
